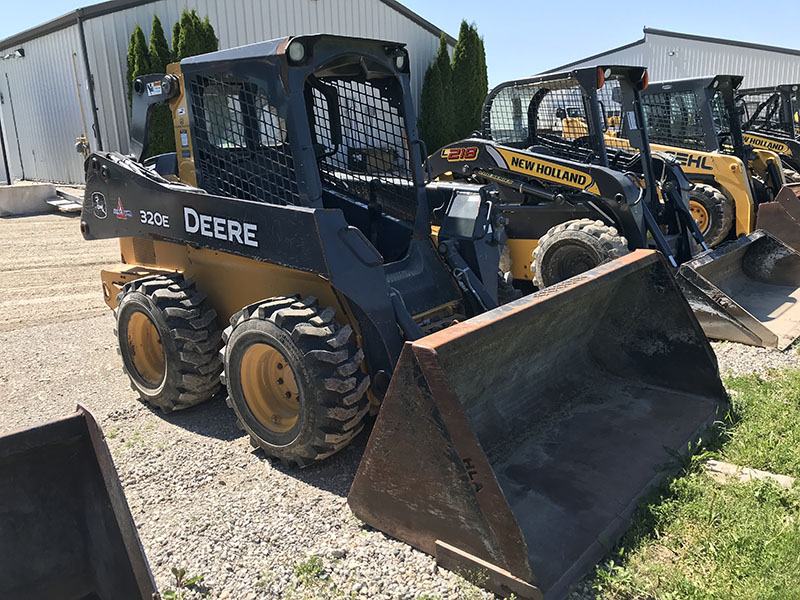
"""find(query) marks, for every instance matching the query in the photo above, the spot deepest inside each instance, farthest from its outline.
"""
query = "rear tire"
(575, 247)
(169, 341)
(294, 379)
(712, 211)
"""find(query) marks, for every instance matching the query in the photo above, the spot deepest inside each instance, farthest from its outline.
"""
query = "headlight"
(296, 52)
(400, 62)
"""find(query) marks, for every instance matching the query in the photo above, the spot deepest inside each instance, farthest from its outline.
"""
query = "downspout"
(90, 79)
(3, 152)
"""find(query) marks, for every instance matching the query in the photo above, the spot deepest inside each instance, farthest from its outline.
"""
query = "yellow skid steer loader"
(573, 195)
(285, 252)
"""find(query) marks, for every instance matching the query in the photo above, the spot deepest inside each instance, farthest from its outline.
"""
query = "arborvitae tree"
(162, 133)
(138, 60)
(432, 107)
(210, 41)
(447, 126)
(159, 52)
(176, 35)
(470, 83)
(191, 39)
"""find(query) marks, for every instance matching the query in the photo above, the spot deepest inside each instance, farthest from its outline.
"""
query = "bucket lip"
(712, 254)
(620, 266)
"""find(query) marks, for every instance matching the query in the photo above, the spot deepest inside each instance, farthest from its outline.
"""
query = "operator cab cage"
(697, 113)
(568, 114)
(312, 122)
(771, 109)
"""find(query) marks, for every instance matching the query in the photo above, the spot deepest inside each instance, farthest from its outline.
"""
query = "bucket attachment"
(746, 291)
(514, 446)
(65, 529)
(781, 217)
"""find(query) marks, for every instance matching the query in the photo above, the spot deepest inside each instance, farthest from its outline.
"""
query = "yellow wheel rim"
(145, 349)
(270, 388)
(700, 215)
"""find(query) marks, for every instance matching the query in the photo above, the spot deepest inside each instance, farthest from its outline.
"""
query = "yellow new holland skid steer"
(286, 251)
(573, 195)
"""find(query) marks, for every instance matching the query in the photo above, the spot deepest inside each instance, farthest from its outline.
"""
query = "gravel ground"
(202, 499)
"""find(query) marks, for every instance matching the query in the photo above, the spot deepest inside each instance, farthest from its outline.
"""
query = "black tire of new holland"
(574, 247)
(188, 334)
(326, 364)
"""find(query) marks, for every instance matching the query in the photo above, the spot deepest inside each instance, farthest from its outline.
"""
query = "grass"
(695, 539)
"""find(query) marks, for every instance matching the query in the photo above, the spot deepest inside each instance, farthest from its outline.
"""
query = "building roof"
(684, 36)
(104, 8)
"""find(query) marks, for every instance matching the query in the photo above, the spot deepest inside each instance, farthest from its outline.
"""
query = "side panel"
(729, 174)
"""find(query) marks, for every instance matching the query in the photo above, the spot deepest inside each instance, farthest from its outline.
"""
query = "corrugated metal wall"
(43, 89)
(239, 22)
(40, 110)
(675, 58)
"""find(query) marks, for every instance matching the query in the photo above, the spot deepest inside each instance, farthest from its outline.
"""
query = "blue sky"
(527, 37)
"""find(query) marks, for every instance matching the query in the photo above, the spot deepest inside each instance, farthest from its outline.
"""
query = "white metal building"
(67, 76)
(670, 55)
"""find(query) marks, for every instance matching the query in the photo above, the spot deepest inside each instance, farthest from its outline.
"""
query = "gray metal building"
(71, 75)
(670, 55)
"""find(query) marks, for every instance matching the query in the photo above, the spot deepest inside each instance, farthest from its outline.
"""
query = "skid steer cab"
(697, 121)
(772, 110)
(284, 258)
(570, 201)
(768, 118)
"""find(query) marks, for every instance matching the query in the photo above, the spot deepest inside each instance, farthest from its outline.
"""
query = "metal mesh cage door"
(361, 142)
(674, 119)
(242, 148)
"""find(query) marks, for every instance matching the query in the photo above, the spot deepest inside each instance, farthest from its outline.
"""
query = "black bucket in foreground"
(747, 291)
(515, 445)
(65, 529)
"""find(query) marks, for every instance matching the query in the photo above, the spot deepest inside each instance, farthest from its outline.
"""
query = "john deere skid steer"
(697, 121)
(286, 253)
(574, 193)
(769, 120)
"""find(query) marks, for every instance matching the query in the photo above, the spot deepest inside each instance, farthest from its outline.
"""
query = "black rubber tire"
(791, 175)
(326, 363)
(720, 211)
(188, 334)
(574, 247)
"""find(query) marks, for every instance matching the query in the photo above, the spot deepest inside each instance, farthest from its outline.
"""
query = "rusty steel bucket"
(747, 291)
(65, 529)
(514, 446)
(781, 217)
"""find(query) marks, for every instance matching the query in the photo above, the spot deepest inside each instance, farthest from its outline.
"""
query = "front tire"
(294, 379)
(712, 211)
(169, 341)
(575, 247)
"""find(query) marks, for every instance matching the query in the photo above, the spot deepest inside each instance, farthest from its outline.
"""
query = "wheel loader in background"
(769, 120)
(286, 251)
(573, 194)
